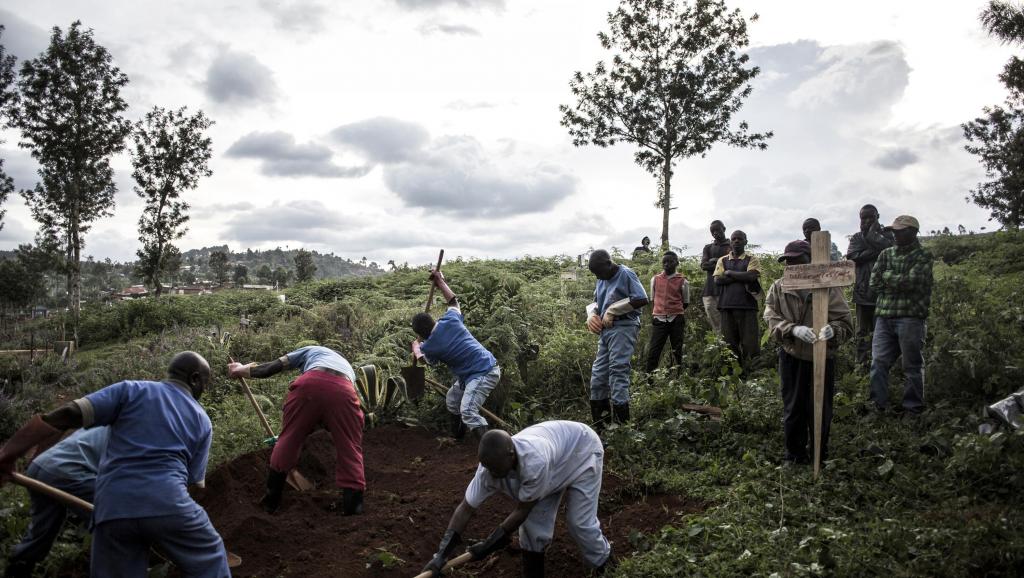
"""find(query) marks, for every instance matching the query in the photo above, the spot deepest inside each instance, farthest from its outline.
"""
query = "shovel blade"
(414, 381)
(299, 481)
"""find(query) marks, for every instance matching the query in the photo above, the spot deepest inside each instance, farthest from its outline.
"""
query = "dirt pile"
(415, 480)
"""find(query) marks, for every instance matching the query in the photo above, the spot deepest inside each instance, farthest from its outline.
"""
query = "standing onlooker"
(713, 251)
(811, 225)
(865, 246)
(615, 317)
(644, 249)
(902, 280)
(670, 292)
(737, 276)
(790, 317)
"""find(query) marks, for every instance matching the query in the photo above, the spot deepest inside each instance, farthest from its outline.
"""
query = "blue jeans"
(894, 336)
(609, 377)
(48, 515)
(120, 548)
(469, 399)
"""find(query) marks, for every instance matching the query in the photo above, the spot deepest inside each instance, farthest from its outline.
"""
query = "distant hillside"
(328, 265)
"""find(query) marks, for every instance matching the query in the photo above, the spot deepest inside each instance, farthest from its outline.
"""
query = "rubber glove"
(826, 333)
(449, 542)
(804, 333)
(496, 541)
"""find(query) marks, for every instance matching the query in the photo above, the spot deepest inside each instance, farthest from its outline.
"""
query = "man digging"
(322, 394)
(476, 370)
(71, 465)
(159, 443)
(536, 467)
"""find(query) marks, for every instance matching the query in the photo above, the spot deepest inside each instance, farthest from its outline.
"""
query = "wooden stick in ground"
(486, 413)
(430, 296)
(453, 563)
(820, 254)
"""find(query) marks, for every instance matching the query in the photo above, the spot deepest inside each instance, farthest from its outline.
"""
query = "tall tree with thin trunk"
(219, 266)
(8, 108)
(71, 119)
(171, 153)
(997, 138)
(676, 79)
(305, 268)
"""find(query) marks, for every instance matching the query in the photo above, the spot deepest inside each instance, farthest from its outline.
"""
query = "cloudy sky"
(391, 128)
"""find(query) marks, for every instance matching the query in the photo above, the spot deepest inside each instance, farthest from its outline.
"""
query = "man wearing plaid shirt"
(902, 281)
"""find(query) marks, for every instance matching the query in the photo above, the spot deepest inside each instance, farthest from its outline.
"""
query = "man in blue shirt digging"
(159, 444)
(476, 371)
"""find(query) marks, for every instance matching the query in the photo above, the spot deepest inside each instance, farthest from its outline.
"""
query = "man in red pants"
(322, 395)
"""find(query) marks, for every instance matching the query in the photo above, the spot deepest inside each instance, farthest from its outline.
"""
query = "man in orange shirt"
(670, 292)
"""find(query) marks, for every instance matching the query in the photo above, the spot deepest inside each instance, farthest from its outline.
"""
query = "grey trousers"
(48, 515)
(714, 317)
(581, 518)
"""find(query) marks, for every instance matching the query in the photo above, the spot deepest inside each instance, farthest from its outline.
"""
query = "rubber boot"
(275, 487)
(19, 569)
(458, 428)
(351, 502)
(621, 413)
(599, 412)
(608, 565)
(533, 564)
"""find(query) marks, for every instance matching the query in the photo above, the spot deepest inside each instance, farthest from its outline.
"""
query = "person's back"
(317, 356)
(159, 443)
(77, 456)
(451, 343)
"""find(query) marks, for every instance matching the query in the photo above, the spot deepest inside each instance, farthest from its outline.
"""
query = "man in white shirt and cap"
(536, 467)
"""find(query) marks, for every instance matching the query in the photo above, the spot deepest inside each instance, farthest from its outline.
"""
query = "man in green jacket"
(902, 281)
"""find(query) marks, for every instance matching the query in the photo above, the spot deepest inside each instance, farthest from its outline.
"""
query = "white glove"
(804, 333)
(826, 333)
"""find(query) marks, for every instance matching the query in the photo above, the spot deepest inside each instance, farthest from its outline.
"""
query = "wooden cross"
(820, 276)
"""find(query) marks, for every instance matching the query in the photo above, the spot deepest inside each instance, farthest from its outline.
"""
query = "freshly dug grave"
(415, 479)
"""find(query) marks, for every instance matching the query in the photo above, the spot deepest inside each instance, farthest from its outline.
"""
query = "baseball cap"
(795, 249)
(904, 221)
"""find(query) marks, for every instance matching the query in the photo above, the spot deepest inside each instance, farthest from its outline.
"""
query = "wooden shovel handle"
(430, 296)
(453, 563)
(483, 410)
(36, 485)
(255, 405)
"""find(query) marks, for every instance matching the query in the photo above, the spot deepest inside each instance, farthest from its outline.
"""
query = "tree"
(282, 277)
(997, 138)
(170, 154)
(265, 275)
(219, 266)
(675, 81)
(8, 104)
(70, 118)
(304, 266)
(241, 274)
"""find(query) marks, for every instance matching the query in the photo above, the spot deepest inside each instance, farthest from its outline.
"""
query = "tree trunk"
(666, 201)
(75, 273)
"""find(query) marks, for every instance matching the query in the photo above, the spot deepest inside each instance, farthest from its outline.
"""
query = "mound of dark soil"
(414, 481)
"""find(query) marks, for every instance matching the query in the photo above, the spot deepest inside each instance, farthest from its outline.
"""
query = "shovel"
(453, 563)
(414, 374)
(234, 560)
(295, 479)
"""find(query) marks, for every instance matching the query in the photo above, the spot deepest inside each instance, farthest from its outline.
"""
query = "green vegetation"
(925, 497)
